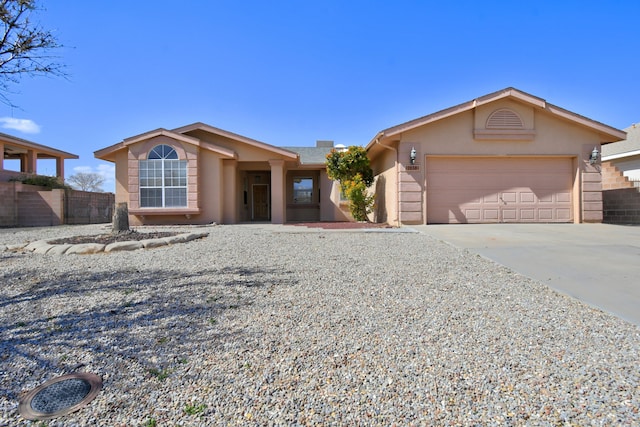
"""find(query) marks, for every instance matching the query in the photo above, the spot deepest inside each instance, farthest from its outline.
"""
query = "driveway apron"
(598, 264)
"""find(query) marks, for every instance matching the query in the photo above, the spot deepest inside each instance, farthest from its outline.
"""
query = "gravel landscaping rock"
(259, 326)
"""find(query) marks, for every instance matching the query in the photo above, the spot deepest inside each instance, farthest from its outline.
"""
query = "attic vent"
(504, 119)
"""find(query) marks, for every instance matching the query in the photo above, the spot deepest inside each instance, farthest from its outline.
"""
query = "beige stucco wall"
(386, 188)
(546, 135)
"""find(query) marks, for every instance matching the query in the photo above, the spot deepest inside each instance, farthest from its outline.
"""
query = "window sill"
(303, 206)
(165, 211)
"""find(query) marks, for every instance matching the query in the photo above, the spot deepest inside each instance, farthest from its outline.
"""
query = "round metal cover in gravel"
(60, 396)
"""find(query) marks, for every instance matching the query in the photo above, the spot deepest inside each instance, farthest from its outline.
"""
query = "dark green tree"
(352, 169)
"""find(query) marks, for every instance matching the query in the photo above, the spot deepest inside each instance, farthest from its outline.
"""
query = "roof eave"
(621, 155)
(54, 152)
(263, 145)
(510, 92)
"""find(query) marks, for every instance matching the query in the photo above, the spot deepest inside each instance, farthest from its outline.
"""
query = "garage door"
(498, 189)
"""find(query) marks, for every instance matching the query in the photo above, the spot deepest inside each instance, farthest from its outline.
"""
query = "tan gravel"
(262, 326)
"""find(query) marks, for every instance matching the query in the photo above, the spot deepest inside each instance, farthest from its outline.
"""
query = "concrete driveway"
(598, 264)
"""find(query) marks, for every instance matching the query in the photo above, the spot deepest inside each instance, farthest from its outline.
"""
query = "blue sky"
(292, 72)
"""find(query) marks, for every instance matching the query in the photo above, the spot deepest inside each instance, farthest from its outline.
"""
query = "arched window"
(163, 179)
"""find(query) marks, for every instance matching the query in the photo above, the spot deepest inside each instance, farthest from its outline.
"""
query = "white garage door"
(498, 189)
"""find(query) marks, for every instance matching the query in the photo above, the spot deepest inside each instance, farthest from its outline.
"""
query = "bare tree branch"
(86, 181)
(25, 48)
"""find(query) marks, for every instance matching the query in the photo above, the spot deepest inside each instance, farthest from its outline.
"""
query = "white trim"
(621, 155)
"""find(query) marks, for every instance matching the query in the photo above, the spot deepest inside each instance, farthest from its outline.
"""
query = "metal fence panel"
(84, 207)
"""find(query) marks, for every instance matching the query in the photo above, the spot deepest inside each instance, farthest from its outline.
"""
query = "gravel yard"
(268, 325)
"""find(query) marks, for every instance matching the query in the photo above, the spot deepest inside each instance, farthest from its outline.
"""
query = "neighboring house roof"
(14, 146)
(311, 155)
(625, 148)
(510, 92)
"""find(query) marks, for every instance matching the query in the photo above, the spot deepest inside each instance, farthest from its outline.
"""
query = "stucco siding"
(386, 188)
(541, 134)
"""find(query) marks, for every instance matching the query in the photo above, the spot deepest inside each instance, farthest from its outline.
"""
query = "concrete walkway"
(598, 264)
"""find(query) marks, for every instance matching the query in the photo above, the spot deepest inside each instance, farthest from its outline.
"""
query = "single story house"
(200, 174)
(625, 154)
(28, 153)
(504, 157)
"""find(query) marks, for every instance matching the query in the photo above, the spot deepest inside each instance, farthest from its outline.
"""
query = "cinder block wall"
(621, 206)
(620, 199)
(23, 205)
(613, 178)
(8, 212)
(41, 208)
(9, 195)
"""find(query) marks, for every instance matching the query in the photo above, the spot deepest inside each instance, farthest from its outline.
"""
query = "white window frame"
(168, 161)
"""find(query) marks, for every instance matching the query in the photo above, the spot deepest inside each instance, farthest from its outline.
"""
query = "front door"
(260, 202)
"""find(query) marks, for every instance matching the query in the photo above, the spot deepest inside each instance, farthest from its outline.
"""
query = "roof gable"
(509, 92)
(234, 136)
(106, 153)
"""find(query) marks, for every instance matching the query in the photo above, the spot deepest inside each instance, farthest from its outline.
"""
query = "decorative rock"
(35, 245)
(58, 249)
(153, 243)
(85, 248)
(43, 246)
(43, 249)
(15, 247)
(123, 246)
(180, 238)
(186, 237)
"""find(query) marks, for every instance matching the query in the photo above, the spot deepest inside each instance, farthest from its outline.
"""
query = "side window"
(163, 179)
(302, 190)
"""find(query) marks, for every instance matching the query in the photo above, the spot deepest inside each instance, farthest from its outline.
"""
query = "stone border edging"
(44, 247)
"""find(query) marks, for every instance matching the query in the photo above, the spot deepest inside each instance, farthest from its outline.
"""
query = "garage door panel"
(471, 214)
(509, 215)
(528, 214)
(509, 197)
(527, 197)
(490, 215)
(476, 190)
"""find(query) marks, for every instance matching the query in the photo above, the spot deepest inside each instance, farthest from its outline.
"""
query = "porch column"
(229, 191)
(60, 168)
(1, 155)
(30, 166)
(277, 191)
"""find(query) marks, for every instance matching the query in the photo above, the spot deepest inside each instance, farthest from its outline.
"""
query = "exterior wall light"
(412, 155)
(594, 156)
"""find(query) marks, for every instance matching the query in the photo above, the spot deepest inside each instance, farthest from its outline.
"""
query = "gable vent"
(504, 119)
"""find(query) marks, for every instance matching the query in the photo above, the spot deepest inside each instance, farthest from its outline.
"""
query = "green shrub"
(41, 181)
(351, 168)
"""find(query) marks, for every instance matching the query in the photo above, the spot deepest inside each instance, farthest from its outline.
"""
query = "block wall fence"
(620, 198)
(23, 205)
